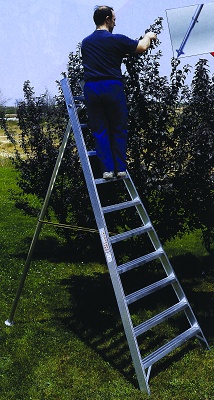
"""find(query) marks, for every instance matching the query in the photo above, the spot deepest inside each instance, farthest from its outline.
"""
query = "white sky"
(37, 36)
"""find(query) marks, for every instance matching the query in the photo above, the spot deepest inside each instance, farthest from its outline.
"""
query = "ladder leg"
(9, 321)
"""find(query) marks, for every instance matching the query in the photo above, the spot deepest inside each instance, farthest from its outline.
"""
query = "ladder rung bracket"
(148, 374)
(161, 317)
(202, 338)
(140, 261)
(170, 346)
(92, 153)
(131, 233)
(131, 298)
(121, 206)
(99, 181)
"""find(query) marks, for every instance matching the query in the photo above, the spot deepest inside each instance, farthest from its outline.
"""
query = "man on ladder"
(102, 54)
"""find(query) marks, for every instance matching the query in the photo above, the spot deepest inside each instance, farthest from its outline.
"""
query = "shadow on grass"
(190, 266)
(93, 314)
(94, 317)
(50, 248)
(197, 279)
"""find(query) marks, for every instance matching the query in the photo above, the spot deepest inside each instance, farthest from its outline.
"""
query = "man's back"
(103, 52)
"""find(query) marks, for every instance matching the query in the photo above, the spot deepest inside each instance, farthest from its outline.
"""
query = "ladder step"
(92, 153)
(121, 206)
(157, 319)
(84, 126)
(170, 346)
(132, 232)
(140, 261)
(131, 298)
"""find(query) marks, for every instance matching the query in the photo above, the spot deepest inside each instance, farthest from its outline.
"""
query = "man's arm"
(145, 42)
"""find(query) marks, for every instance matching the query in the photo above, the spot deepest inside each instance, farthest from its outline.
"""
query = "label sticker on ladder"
(105, 244)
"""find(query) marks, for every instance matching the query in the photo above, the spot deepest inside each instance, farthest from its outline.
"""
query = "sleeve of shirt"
(128, 45)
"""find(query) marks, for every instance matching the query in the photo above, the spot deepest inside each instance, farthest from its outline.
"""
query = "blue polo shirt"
(102, 54)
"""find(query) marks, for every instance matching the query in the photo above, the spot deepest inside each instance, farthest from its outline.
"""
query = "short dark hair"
(100, 14)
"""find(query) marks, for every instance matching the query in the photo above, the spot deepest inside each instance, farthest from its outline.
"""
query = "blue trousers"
(108, 117)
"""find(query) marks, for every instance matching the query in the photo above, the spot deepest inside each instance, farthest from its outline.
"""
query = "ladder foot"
(9, 323)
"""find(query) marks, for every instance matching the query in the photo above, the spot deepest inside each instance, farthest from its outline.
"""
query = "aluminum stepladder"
(142, 365)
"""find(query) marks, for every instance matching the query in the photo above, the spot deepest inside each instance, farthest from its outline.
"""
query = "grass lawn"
(67, 341)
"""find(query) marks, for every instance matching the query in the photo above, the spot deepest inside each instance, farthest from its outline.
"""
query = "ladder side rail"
(107, 247)
(151, 233)
(9, 321)
(83, 154)
(163, 257)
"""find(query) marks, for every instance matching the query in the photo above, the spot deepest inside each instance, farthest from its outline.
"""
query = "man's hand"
(145, 42)
(151, 35)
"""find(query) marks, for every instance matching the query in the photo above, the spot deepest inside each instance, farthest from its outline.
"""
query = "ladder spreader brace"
(142, 365)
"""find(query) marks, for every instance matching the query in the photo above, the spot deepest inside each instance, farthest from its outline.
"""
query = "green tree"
(170, 145)
(3, 123)
(194, 181)
(43, 124)
(154, 103)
